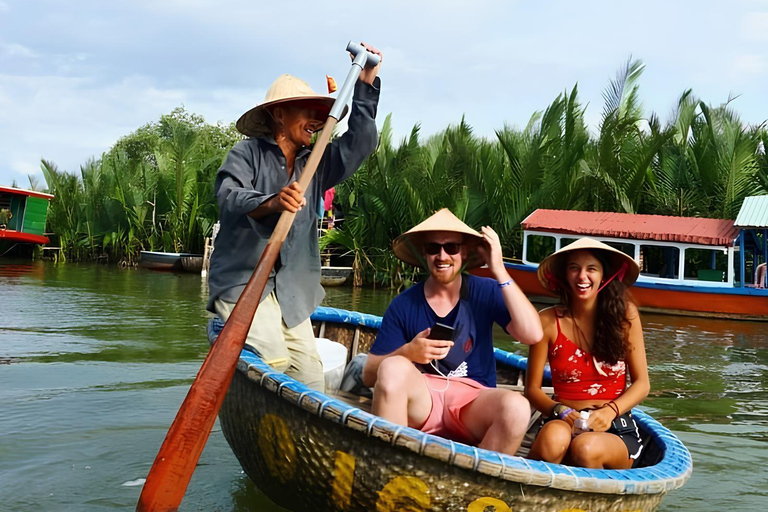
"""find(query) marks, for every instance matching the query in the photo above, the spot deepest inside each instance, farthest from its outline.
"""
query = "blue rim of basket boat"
(669, 473)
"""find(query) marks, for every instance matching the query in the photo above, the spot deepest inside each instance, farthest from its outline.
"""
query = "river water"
(95, 361)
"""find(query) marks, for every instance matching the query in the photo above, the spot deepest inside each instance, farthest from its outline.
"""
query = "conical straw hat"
(548, 268)
(408, 247)
(287, 89)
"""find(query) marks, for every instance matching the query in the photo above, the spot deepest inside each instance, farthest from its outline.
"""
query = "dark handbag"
(624, 424)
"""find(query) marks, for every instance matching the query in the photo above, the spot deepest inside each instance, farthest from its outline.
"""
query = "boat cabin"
(23, 214)
(687, 251)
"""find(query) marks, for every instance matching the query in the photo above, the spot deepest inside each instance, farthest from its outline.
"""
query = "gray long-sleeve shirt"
(253, 172)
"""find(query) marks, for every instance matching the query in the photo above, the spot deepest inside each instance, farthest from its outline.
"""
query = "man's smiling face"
(443, 266)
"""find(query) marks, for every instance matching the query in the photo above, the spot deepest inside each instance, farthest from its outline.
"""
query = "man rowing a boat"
(447, 386)
(257, 182)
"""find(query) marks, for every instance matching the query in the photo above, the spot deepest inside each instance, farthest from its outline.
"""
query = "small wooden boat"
(177, 261)
(23, 214)
(308, 450)
(689, 266)
(334, 276)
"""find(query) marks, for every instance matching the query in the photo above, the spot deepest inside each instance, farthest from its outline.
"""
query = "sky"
(75, 76)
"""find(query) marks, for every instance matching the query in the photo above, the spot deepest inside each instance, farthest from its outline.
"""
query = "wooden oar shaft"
(175, 462)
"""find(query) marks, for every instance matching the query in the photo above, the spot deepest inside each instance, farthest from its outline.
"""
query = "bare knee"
(392, 375)
(552, 443)
(586, 452)
(514, 411)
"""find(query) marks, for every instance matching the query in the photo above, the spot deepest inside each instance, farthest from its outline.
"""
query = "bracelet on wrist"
(615, 408)
(506, 283)
(560, 411)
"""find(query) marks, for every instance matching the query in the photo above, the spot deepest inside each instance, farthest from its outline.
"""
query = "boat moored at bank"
(689, 266)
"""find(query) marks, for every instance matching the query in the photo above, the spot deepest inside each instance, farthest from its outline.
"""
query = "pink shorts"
(445, 417)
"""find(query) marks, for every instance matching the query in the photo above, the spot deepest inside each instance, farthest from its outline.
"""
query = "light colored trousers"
(291, 350)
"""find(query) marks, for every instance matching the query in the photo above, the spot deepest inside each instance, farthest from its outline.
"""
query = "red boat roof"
(634, 226)
(33, 193)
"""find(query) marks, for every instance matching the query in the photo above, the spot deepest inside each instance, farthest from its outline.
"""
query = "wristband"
(561, 411)
(506, 283)
(615, 408)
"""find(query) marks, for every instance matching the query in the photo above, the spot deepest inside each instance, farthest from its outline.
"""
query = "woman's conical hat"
(547, 271)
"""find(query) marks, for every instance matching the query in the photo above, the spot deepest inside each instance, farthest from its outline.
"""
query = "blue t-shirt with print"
(481, 305)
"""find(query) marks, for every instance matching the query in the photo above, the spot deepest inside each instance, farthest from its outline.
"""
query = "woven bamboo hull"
(310, 451)
(173, 261)
(334, 276)
(304, 462)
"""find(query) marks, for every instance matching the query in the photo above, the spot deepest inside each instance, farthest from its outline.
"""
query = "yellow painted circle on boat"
(277, 448)
(482, 504)
(404, 494)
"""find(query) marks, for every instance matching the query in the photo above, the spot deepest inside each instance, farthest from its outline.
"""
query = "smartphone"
(441, 332)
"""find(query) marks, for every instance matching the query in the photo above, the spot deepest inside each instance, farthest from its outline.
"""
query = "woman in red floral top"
(591, 340)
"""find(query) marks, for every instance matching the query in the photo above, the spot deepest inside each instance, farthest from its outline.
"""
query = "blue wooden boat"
(308, 450)
(689, 265)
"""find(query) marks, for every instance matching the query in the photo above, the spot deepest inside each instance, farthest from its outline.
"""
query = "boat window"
(659, 261)
(705, 265)
(626, 248)
(566, 241)
(539, 247)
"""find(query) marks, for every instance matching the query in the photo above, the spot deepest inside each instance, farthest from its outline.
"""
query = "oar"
(170, 474)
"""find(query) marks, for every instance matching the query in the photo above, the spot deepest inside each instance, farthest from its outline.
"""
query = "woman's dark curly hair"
(611, 324)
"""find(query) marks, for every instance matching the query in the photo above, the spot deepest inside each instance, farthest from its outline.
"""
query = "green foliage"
(154, 188)
(702, 163)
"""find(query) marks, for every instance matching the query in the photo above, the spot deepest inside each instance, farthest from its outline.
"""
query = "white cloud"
(748, 65)
(754, 26)
(16, 50)
(75, 77)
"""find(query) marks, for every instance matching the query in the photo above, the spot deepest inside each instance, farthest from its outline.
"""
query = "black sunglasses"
(450, 248)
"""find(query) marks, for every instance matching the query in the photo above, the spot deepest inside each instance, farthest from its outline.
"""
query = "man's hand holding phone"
(432, 343)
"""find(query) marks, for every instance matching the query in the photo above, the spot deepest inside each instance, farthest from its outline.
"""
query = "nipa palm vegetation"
(154, 189)
(703, 162)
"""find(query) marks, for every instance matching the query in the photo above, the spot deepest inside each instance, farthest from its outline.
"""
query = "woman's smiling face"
(584, 274)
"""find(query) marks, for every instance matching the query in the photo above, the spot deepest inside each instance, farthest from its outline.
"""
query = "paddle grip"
(363, 58)
(355, 49)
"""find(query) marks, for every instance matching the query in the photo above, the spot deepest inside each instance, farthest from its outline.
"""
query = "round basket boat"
(334, 276)
(308, 450)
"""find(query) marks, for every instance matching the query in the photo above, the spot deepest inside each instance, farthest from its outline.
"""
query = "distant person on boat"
(328, 205)
(592, 341)
(447, 386)
(256, 183)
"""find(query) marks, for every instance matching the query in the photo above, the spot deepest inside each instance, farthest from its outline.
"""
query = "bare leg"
(552, 442)
(401, 394)
(599, 450)
(499, 418)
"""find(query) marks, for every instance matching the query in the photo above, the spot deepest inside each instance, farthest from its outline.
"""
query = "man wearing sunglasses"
(447, 387)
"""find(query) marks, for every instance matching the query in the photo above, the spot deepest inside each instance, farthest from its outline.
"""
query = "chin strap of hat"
(620, 274)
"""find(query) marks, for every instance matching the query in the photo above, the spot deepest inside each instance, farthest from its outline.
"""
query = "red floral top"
(577, 375)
